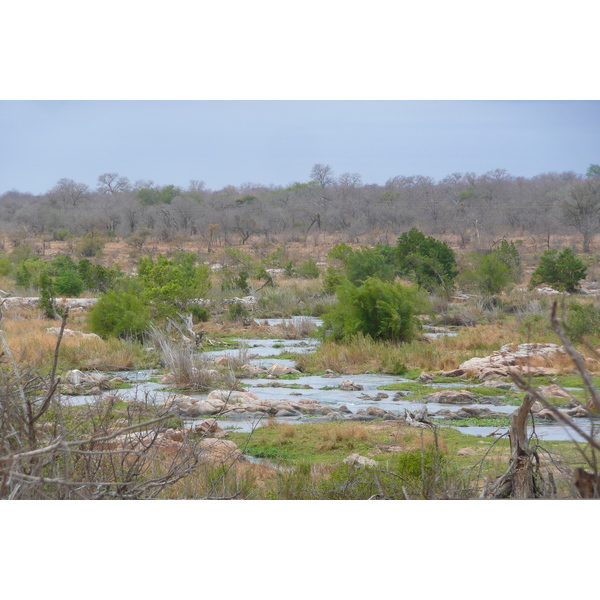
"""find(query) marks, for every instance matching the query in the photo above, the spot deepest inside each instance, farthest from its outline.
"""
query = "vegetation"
(560, 270)
(377, 309)
(374, 298)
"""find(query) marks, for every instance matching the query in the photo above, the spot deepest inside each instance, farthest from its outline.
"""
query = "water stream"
(314, 387)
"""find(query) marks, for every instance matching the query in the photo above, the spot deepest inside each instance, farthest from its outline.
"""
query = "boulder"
(451, 397)
(350, 386)
(276, 369)
(214, 450)
(359, 461)
(535, 358)
(78, 378)
(553, 391)
(425, 377)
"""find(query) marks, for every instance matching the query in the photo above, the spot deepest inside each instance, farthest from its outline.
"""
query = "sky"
(232, 142)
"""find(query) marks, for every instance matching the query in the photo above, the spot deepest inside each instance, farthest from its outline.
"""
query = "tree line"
(465, 206)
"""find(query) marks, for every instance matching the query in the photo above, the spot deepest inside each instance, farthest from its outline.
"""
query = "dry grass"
(33, 347)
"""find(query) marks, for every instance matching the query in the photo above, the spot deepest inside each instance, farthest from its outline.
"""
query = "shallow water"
(144, 390)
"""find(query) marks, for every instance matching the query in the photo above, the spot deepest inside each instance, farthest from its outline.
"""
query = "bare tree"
(112, 183)
(322, 174)
(69, 193)
(582, 209)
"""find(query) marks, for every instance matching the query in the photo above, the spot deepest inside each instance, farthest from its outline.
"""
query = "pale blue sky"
(278, 142)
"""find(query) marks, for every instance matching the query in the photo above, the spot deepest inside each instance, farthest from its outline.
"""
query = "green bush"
(5, 266)
(68, 283)
(561, 270)
(200, 314)
(430, 262)
(171, 285)
(119, 314)
(378, 309)
(489, 276)
(308, 269)
(332, 279)
(582, 320)
(368, 262)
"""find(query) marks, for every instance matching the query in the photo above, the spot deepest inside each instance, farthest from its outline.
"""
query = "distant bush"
(430, 262)
(308, 269)
(561, 270)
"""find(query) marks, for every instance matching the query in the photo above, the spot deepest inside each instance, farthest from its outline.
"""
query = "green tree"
(561, 270)
(509, 255)
(170, 285)
(430, 262)
(378, 309)
(593, 171)
(158, 195)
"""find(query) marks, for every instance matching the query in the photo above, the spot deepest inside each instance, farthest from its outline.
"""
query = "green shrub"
(119, 314)
(5, 266)
(308, 269)
(378, 309)
(332, 279)
(582, 320)
(237, 311)
(561, 270)
(430, 262)
(368, 262)
(68, 283)
(200, 314)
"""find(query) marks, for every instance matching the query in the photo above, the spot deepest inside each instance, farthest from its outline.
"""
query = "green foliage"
(149, 196)
(28, 272)
(332, 279)
(593, 171)
(339, 252)
(98, 278)
(430, 262)
(199, 313)
(561, 270)
(5, 266)
(377, 309)
(46, 301)
(170, 285)
(237, 311)
(582, 320)
(68, 283)
(490, 276)
(308, 269)
(368, 262)
(119, 314)
(509, 255)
